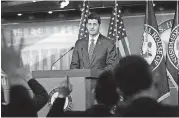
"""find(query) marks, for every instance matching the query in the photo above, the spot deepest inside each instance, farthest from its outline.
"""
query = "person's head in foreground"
(133, 76)
(105, 91)
(106, 96)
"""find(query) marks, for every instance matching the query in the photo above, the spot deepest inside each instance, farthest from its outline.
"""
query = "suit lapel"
(97, 46)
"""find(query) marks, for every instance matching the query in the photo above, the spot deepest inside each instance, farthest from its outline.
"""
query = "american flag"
(117, 32)
(84, 15)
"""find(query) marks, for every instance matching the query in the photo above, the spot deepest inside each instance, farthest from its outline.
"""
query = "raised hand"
(65, 88)
(24, 73)
(10, 57)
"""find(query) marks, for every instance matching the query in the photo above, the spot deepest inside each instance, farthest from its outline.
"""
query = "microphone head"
(72, 48)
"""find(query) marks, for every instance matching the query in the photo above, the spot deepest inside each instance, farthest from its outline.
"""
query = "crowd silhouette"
(132, 76)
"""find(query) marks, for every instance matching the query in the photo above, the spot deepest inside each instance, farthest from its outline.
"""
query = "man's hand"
(24, 73)
(10, 57)
(65, 88)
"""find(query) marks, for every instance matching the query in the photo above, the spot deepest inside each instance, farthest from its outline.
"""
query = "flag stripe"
(118, 54)
(121, 48)
(127, 43)
(163, 97)
(125, 46)
(172, 80)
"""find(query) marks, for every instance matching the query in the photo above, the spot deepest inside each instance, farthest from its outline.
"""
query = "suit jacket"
(40, 94)
(104, 54)
(147, 107)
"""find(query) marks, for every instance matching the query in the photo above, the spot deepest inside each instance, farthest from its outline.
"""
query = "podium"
(82, 80)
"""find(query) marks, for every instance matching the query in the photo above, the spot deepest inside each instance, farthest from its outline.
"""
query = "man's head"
(133, 75)
(105, 91)
(93, 24)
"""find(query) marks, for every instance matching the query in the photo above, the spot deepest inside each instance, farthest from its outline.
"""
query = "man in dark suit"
(133, 77)
(96, 51)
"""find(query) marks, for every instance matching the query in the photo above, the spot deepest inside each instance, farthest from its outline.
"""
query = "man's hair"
(105, 91)
(132, 75)
(94, 15)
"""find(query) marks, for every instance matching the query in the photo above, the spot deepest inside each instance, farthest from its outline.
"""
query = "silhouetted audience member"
(133, 76)
(106, 96)
(21, 104)
(40, 94)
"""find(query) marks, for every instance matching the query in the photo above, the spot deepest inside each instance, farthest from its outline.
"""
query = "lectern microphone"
(61, 57)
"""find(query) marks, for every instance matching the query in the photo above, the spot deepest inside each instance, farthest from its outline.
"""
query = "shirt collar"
(95, 38)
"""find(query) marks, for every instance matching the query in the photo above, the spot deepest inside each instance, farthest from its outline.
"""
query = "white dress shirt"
(95, 40)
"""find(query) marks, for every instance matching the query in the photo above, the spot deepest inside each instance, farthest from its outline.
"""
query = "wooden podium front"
(82, 80)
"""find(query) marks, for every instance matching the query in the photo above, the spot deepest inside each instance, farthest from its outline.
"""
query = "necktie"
(91, 49)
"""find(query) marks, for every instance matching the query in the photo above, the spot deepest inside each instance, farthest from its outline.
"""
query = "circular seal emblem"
(164, 31)
(152, 48)
(54, 94)
(173, 47)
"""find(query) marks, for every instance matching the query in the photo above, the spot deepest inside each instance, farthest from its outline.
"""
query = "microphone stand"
(60, 58)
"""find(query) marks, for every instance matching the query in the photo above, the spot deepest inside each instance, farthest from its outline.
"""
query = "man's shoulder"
(106, 39)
